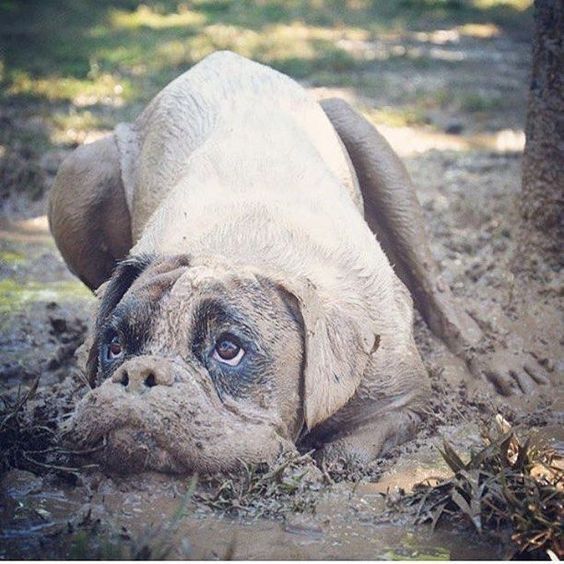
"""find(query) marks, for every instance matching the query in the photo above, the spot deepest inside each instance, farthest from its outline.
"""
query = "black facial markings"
(126, 272)
(135, 335)
(132, 336)
(213, 319)
(133, 319)
(212, 313)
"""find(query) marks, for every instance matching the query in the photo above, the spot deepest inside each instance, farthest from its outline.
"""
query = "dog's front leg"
(393, 213)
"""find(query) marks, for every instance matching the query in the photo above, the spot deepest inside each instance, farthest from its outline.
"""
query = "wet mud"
(132, 517)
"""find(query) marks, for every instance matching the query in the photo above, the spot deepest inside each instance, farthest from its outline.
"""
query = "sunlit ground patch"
(14, 296)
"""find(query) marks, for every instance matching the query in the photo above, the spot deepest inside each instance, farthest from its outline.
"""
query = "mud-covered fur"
(196, 414)
(246, 220)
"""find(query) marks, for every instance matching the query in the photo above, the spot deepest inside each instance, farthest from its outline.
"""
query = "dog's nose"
(140, 374)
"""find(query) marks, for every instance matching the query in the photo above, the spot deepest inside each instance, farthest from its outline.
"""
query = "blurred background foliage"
(70, 67)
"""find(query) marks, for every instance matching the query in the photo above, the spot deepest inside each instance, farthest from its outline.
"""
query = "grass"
(29, 431)
(15, 295)
(130, 41)
(511, 487)
(398, 116)
(9, 256)
(474, 102)
(289, 485)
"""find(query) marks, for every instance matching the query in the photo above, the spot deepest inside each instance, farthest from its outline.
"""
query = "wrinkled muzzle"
(155, 414)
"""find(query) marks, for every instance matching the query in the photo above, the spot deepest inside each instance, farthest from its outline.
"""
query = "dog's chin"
(131, 450)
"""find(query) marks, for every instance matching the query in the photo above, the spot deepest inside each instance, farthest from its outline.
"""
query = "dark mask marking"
(126, 272)
(211, 319)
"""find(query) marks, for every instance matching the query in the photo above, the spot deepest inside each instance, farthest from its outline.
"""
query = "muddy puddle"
(140, 514)
(452, 104)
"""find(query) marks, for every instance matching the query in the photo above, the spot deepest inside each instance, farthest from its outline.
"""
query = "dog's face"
(199, 366)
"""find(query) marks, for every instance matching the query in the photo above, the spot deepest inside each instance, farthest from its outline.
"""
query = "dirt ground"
(465, 160)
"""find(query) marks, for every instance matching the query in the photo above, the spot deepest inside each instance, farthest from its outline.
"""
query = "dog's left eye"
(228, 350)
(114, 348)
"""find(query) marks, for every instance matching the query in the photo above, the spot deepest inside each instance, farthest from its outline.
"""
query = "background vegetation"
(69, 68)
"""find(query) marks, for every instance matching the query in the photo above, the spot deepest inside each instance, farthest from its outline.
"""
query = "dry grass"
(30, 422)
(290, 485)
(511, 487)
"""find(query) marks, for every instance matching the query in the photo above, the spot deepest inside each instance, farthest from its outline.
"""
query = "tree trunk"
(541, 234)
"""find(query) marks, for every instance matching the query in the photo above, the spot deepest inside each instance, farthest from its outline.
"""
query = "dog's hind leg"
(393, 213)
(88, 213)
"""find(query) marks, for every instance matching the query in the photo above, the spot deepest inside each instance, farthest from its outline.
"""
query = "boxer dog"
(241, 238)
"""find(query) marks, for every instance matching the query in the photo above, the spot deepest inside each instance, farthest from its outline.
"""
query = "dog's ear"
(110, 294)
(89, 211)
(339, 339)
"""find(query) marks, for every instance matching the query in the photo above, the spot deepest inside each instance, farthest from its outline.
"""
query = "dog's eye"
(228, 350)
(114, 348)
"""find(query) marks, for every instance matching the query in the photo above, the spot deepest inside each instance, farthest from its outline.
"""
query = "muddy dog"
(253, 306)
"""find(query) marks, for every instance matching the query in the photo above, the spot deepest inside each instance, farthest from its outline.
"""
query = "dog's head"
(202, 365)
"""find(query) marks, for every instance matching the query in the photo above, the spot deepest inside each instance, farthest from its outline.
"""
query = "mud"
(468, 181)
(138, 514)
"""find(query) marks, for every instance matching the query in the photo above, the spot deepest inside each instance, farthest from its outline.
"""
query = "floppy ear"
(339, 339)
(110, 294)
(89, 212)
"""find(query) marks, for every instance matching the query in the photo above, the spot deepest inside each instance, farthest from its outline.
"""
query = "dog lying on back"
(253, 306)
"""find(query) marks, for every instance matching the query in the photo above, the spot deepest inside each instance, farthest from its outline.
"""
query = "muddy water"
(42, 515)
(348, 523)
(43, 312)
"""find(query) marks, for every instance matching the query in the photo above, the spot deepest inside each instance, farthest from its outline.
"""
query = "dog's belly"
(232, 120)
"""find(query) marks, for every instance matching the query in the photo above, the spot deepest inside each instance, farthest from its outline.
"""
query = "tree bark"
(542, 228)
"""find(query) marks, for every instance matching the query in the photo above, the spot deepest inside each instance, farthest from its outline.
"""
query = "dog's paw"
(509, 372)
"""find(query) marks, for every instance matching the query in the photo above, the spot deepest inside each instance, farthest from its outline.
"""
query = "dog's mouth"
(129, 449)
(176, 429)
(126, 433)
